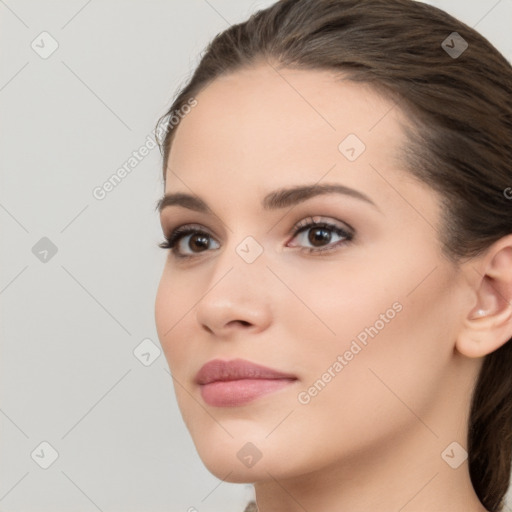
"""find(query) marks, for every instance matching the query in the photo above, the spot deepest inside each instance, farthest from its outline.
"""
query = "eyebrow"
(277, 199)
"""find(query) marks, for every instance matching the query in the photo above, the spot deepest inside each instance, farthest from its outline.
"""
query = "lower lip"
(233, 393)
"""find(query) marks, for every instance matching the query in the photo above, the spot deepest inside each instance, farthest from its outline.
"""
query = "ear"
(488, 325)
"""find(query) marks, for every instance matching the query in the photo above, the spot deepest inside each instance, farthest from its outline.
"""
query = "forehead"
(272, 125)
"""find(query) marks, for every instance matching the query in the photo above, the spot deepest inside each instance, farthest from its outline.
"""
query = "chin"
(239, 460)
(235, 472)
(236, 476)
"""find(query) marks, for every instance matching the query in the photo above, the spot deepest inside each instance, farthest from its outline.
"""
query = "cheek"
(163, 310)
(389, 323)
(171, 306)
(337, 302)
(396, 370)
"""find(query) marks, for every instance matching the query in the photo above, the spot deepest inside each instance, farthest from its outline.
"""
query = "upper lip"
(236, 369)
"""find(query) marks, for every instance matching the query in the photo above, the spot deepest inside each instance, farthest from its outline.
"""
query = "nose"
(237, 301)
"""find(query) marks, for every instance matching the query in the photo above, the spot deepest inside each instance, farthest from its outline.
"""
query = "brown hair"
(459, 142)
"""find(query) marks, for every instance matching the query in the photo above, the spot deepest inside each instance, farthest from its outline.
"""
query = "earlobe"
(488, 325)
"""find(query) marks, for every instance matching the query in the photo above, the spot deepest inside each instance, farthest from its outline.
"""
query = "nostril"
(243, 322)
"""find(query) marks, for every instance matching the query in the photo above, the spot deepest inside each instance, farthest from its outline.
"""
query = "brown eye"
(190, 241)
(197, 242)
(186, 241)
(320, 234)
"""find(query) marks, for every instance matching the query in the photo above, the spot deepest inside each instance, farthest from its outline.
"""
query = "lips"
(237, 382)
(237, 369)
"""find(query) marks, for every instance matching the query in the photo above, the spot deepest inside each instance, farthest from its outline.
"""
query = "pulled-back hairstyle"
(460, 142)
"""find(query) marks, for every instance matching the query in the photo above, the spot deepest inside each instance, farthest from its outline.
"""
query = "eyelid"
(187, 225)
(177, 234)
(322, 219)
(304, 221)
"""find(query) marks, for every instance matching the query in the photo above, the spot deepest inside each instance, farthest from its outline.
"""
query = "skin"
(372, 438)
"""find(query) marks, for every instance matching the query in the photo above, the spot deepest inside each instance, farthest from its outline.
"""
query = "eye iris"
(322, 235)
(199, 240)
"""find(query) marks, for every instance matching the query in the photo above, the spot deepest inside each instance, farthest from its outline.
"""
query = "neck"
(403, 474)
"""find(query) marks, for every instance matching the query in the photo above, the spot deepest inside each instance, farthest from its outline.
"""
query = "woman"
(336, 306)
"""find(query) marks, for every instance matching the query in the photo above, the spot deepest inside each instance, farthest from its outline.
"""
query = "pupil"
(323, 237)
(200, 241)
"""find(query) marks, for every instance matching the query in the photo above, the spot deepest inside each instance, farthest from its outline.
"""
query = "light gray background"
(69, 325)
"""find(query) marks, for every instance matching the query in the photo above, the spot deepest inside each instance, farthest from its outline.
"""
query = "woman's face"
(364, 327)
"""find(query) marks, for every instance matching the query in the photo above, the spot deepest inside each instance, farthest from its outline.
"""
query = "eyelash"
(174, 238)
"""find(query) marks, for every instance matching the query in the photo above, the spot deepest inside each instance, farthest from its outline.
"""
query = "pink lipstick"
(237, 382)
